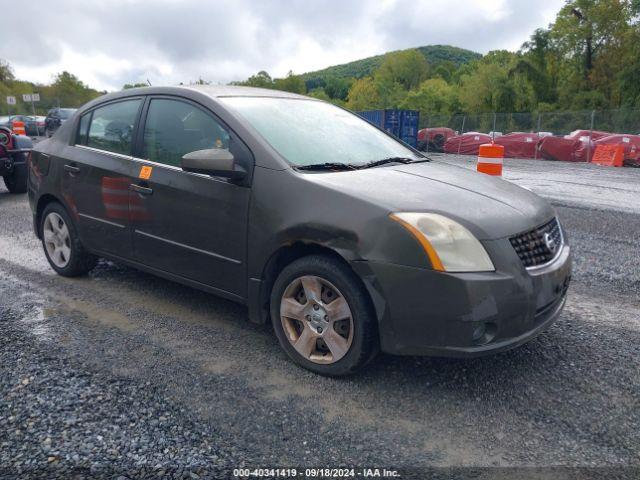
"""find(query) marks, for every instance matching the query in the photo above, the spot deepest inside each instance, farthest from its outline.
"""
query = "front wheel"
(322, 316)
(61, 243)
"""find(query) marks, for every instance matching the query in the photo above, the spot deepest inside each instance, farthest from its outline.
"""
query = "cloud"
(108, 44)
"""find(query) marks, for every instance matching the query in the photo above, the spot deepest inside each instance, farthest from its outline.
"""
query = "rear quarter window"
(83, 129)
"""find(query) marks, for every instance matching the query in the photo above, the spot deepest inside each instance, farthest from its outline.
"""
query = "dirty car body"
(233, 235)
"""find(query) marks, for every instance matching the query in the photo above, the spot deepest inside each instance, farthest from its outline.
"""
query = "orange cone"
(490, 158)
(18, 128)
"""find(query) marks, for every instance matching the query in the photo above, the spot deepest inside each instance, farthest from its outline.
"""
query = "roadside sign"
(35, 97)
(26, 97)
(11, 100)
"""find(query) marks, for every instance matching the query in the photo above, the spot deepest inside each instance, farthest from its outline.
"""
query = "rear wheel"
(322, 316)
(61, 244)
(16, 181)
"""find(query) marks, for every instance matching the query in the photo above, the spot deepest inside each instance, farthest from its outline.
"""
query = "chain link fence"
(559, 124)
(623, 121)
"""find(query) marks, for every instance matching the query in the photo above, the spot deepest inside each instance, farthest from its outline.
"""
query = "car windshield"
(310, 132)
(66, 112)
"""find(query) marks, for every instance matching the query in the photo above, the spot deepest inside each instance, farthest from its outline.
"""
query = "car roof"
(213, 91)
(239, 91)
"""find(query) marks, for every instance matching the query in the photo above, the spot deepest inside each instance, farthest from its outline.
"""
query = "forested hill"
(434, 54)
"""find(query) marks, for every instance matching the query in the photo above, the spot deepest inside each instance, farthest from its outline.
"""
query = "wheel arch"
(43, 201)
(259, 290)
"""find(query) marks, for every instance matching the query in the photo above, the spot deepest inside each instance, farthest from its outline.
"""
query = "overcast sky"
(107, 44)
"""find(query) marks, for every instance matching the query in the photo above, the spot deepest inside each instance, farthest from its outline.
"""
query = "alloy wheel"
(316, 319)
(57, 240)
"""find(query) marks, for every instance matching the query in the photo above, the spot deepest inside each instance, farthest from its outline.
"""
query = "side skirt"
(176, 278)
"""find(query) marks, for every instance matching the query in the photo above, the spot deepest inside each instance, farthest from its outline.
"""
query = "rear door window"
(174, 128)
(111, 126)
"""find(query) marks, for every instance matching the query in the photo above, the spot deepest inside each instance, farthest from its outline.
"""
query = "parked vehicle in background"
(14, 150)
(55, 118)
(34, 126)
(40, 122)
(13, 118)
(433, 139)
(345, 238)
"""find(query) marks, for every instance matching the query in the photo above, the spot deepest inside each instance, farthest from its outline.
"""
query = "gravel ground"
(122, 373)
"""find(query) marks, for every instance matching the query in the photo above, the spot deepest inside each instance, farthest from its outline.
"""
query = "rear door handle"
(140, 189)
(72, 169)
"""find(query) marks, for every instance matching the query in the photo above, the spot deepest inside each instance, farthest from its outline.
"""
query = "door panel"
(99, 196)
(190, 225)
(97, 173)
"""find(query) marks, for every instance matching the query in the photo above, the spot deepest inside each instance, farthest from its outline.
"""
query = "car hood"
(489, 207)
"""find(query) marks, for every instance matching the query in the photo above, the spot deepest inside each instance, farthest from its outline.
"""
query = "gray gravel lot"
(122, 373)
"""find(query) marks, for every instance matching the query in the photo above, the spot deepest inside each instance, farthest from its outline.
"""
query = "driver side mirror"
(216, 162)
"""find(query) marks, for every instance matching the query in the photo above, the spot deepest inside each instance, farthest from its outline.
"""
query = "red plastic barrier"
(467, 144)
(608, 155)
(519, 145)
(630, 143)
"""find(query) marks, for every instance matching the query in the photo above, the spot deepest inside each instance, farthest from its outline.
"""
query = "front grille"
(533, 247)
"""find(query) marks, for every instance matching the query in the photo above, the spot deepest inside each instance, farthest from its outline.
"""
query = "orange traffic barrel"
(18, 128)
(490, 158)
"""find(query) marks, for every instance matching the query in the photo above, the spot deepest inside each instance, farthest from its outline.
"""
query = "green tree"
(487, 87)
(338, 88)
(319, 93)
(70, 91)
(6, 72)
(363, 95)
(291, 83)
(585, 27)
(261, 80)
(538, 64)
(434, 96)
(406, 67)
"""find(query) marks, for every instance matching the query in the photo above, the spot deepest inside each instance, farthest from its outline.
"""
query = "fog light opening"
(483, 333)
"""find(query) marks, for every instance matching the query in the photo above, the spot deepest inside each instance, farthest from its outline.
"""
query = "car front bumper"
(425, 312)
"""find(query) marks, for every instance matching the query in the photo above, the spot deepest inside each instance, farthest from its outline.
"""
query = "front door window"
(175, 128)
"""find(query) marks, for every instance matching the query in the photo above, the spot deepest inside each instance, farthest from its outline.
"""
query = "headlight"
(449, 245)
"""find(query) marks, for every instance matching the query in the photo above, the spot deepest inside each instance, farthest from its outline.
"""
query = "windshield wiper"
(384, 161)
(327, 166)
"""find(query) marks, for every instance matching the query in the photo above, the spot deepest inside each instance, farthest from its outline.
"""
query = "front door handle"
(140, 189)
(72, 169)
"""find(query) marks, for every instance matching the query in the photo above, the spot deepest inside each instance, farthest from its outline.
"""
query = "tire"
(47, 132)
(16, 181)
(438, 143)
(356, 325)
(75, 260)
